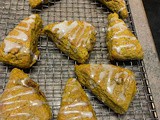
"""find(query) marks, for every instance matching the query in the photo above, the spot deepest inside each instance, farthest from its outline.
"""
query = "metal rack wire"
(53, 67)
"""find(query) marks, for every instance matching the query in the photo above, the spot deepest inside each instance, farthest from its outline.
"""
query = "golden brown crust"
(74, 38)
(113, 85)
(121, 42)
(22, 99)
(19, 48)
(75, 103)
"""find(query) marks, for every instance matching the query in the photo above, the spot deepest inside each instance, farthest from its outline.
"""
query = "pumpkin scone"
(114, 86)
(118, 6)
(19, 48)
(122, 43)
(75, 103)
(22, 99)
(74, 38)
(36, 3)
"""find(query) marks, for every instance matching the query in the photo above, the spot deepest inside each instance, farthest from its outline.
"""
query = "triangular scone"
(118, 6)
(19, 48)
(22, 99)
(114, 86)
(36, 3)
(75, 103)
(75, 38)
(122, 43)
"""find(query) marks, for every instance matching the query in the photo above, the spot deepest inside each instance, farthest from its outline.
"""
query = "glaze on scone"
(75, 38)
(22, 99)
(19, 48)
(122, 43)
(75, 103)
(114, 86)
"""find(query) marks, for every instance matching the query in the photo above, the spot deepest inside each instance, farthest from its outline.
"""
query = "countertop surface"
(151, 61)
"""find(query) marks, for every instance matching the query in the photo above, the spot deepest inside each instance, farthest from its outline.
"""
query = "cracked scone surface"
(118, 6)
(37, 3)
(19, 48)
(114, 86)
(22, 99)
(75, 104)
(121, 42)
(74, 38)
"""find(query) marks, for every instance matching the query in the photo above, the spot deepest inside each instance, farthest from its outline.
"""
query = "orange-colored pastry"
(75, 103)
(74, 38)
(22, 99)
(121, 42)
(19, 48)
(114, 86)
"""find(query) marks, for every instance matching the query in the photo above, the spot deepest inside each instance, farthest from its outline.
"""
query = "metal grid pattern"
(53, 68)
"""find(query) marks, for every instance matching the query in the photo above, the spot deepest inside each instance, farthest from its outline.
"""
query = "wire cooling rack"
(53, 68)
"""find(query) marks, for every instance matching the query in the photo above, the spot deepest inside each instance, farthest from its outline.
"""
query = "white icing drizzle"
(32, 16)
(122, 96)
(20, 94)
(117, 77)
(25, 50)
(87, 114)
(24, 81)
(121, 9)
(83, 41)
(14, 88)
(64, 28)
(21, 114)
(74, 89)
(121, 26)
(78, 34)
(13, 102)
(107, 74)
(10, 45)
(110, 69)
(11, 109)
(117, 25)
(83, 114)
(21, 36)
(123, 36)
(118, 48)
(92, 69)
(36, 103)
(32, 103)
(75, 118)
(101, 76)
(113, 19)
(67, 109)
(72, 37)
(28, 22)
(73, 80)
(76, 104)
